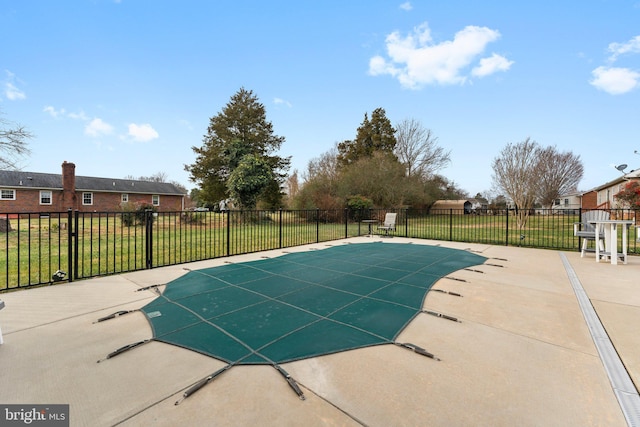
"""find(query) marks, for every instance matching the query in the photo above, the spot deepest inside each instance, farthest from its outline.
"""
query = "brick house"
(601, 197)
(23, 192)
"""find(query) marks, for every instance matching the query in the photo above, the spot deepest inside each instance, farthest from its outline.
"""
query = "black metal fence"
(37, 249)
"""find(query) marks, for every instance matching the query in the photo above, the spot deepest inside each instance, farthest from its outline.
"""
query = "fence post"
(406, 222)
(506, 242)
(148, 220)
(70, 252)
(450, 224)
(579, 220)
(228, 212)
(280, 237)
(346, 223)
(317, 225)
(76, 244)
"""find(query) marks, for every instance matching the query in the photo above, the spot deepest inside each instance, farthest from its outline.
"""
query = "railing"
(34, 246)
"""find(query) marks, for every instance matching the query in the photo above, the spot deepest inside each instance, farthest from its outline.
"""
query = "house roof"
(449, 204)
(52, 181)
(634, 174)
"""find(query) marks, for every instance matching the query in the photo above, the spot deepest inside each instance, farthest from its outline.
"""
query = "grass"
(37, 247)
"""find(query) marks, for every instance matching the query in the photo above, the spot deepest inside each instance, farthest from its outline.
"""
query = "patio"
(521, 353)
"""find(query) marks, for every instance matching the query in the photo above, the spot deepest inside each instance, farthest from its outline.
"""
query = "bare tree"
(559, 173)
(325, 166)
(292, 185)
(417, 149)
(516, 172)
(13, 144)
(157, 177)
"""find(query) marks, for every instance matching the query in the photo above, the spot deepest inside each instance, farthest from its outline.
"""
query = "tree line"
(383, 166)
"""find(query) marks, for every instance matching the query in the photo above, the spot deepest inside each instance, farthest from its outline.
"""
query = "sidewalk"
(521, 354)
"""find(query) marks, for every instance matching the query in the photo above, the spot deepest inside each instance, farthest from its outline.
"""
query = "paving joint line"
(621, 382)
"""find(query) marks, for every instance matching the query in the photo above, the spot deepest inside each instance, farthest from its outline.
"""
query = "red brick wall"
(29, 201)
(590, 200)
(70, 200)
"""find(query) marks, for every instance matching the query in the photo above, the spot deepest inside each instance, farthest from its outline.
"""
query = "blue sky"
(127, 87)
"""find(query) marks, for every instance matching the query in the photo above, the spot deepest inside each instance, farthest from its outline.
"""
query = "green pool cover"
(301, 305)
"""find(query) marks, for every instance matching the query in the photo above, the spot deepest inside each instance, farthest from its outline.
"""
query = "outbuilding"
(456, 207)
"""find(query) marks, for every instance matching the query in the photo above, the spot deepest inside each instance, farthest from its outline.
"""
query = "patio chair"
(389, 223)
(587, 231)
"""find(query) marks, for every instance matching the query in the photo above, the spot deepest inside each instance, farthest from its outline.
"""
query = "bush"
(358, 206)
(194, 217)
(136, 214)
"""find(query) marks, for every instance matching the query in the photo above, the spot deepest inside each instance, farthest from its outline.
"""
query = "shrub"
(136, 214)
(358, 205)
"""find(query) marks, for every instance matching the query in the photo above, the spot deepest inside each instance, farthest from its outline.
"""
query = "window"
(566, 202)
(124, 198)
(45, 197)
(87, 198)
(155, 200)
(8, 194)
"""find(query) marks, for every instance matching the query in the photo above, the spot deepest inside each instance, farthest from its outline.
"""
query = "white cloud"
(615, 81)
(406, 6)
(143, 132)
(78, 116)
(53, 112)
(280, 101)
(415, 60)
(491, 65)
(617, 49)
(12, 92)
(97, 127)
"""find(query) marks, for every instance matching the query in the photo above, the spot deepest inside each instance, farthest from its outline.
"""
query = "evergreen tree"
(239, 130)
(375, 135)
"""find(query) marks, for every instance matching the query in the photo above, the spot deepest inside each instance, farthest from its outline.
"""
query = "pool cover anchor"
(154, 287)
(444, 316)
(493, 265)
(455, 294)
(114, 315)
(123, 349)
(203, 382)
(417, 349)
(292, 383)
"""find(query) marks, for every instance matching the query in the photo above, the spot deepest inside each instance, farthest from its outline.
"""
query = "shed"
(457, 207)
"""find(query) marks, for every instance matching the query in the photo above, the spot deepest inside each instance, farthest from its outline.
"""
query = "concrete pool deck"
(521, 353)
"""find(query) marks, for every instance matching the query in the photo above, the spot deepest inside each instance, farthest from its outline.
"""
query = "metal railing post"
(406, 222)
(580, 226)
(70, 251)
(228, 212)
(506, 242)
(346, 223)
(280, 231)
(149, 238)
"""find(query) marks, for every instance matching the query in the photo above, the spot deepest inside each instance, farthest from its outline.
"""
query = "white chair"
(587, 231)
(389, 223)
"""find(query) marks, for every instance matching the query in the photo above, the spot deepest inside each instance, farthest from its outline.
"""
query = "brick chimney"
(68, 185)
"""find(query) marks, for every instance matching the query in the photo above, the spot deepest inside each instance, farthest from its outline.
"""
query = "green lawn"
(36, 248)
